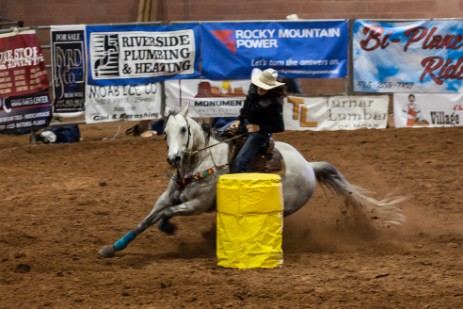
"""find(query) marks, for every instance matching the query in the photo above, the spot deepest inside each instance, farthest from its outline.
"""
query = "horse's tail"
(385, 210)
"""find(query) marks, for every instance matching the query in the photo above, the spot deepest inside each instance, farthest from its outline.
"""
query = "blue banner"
(298, 49)
(68, 68)
(409, 56)
(142, 54)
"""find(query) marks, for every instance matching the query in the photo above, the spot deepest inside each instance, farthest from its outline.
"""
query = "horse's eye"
(183, 130)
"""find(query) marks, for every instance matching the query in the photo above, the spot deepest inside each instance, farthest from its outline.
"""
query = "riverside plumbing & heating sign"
(129, 55)
(302, 49)
(412, 56)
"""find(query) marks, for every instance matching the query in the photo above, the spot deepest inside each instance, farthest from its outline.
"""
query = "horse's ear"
(184, 110)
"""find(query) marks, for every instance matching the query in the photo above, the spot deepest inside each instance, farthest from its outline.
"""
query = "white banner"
(428, 110)
(207, 98)
(336, 113)
(119, 103)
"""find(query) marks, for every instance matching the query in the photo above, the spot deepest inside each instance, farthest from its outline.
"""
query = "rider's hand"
(253, 128)
(235, 124)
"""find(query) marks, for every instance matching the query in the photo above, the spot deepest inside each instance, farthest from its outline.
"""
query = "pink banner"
(22, 66)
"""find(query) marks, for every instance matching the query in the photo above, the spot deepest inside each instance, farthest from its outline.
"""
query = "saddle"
(267, 160)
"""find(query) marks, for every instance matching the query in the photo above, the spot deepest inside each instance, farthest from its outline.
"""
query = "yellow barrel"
(249, 220)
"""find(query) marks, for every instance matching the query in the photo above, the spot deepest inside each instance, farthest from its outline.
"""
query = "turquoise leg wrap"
(124, 241)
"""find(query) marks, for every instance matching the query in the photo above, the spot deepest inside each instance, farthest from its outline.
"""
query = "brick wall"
(61, 12)
(47, 12)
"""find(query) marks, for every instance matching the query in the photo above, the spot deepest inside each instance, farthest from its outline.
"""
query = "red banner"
(22, 66)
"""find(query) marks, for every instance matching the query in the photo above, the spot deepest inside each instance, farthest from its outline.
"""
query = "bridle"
(182, 182)
(194, 152)
(187, 128)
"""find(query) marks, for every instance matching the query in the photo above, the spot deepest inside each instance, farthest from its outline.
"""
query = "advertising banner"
(121, 103)
(22, 67)
(141, 54)
(68, 69)
(410, 56)
(297, 49)
(207, 98)
(336, 113)
(428, 110)
(25, 113)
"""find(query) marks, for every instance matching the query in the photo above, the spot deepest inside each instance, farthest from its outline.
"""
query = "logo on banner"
(249, 38)
(106, 55)
(268, 38)
(206, 90)
(227, 37)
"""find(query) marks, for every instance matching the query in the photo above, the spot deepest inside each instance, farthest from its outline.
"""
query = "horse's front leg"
(188, 208)
(164, 202)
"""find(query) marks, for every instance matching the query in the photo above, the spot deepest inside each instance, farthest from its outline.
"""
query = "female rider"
(261, 115)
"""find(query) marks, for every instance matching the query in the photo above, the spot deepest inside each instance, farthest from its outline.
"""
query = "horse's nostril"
(174, 160)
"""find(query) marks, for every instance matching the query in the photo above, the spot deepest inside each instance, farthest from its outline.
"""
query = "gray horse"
(200, 160)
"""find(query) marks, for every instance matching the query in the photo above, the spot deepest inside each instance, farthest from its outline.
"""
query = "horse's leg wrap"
(109, 251)
(122, 243)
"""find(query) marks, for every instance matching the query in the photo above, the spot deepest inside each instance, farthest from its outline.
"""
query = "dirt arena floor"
(60, 204)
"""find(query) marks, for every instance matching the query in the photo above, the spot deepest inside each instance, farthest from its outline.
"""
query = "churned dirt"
(59, 204)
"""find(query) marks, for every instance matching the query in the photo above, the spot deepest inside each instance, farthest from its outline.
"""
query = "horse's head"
(183, 136)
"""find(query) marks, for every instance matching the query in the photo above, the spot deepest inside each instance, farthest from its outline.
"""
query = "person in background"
(59, 134)
(260, 116)
(147, 128)
(293, 86)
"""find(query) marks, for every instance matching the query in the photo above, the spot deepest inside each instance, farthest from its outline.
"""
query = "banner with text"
(68, 70)
(428, 110)
(336, 113)
(22, 66)
(120, 103)
(207, 98)
(409, 56)
(141, 54)
(299, 49)
(25, 113)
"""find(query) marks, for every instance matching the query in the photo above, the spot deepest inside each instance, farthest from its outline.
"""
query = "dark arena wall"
(49, 12)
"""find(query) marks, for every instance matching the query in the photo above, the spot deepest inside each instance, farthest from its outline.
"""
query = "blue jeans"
(251, 147)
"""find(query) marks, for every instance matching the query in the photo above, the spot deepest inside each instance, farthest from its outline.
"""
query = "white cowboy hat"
(266, 79)
(292, 17)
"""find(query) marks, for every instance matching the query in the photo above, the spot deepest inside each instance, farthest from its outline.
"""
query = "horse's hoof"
(107, 251)
(167, 227)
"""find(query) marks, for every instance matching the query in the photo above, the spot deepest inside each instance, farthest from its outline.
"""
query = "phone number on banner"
(384, 85)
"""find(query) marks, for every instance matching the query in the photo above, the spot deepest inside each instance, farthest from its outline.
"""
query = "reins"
(213, 145)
